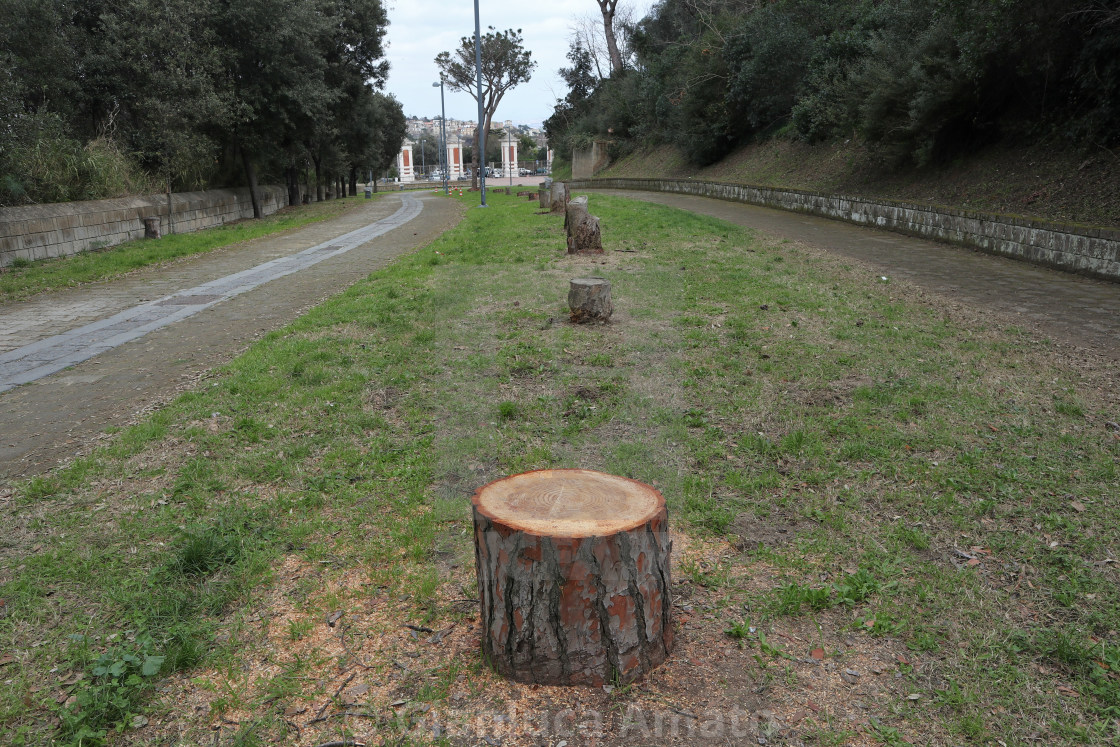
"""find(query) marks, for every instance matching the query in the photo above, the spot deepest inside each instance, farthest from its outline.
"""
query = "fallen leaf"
(334, 617)
(1062, 689)
(6, 659)
(817, 653)
(812, 706)
(1078, 506)
(914, 696)
(351, 696)
(71, 680)
(139, 722)
(974, 561)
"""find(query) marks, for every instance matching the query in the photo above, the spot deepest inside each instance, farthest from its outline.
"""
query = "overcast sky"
(421, 29)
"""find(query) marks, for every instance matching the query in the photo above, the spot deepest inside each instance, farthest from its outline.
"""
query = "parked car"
(524, 172)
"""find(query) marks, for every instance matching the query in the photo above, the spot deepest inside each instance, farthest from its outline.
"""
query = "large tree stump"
(584, 236)
(544, 192)
(589, 300)
(573, 575)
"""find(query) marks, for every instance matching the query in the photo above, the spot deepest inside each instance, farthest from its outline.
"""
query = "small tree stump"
(151, 228)
(589, 300)
(584, 236)
(544, 195)
(573, 575)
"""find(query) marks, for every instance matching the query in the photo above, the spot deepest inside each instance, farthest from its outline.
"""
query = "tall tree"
(608, 8)
(505, 64)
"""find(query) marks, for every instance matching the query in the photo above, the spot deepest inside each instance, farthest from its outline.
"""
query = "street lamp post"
(443, 136)
(509, 150)
(423, 160)
(481, 120)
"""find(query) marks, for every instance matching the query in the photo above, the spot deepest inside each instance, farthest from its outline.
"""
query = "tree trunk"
(251, 177)
(559, 197)
(318, 178)
(353, 181)
(573, 576)
(293, 186)
(582, 227)
(608, 7)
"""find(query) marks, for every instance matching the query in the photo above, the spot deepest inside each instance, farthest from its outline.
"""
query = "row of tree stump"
(573, 565)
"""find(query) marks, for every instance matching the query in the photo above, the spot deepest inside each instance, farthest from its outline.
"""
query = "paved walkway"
(38, 359)
(134, 342)
(1071, 308)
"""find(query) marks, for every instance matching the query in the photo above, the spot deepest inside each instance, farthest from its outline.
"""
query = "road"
(1077, 310)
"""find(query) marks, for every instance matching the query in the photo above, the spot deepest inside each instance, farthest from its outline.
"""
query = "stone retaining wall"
(1084, 250)
(588, 162)
(60, 229)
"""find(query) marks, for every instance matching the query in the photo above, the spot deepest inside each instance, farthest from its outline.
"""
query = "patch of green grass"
(22, 278)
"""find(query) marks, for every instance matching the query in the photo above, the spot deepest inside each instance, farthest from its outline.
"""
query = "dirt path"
(1069, 308)
(64, 415)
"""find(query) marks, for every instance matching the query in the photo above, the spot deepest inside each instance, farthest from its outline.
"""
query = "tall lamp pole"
(443, 136)
(423, 160)
(509, 150)
(481, 126)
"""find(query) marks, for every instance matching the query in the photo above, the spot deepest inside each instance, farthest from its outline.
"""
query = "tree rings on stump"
(573, 576)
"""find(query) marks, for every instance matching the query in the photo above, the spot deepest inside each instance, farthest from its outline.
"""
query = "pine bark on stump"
(584, 236)
(573, 576)
(589, 300)
(544, 195)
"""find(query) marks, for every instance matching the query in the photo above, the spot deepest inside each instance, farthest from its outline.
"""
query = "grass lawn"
(893, 522)
(24, 279)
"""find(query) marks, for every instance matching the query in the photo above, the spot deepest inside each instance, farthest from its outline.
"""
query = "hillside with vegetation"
(1012, 107)
(103, 99)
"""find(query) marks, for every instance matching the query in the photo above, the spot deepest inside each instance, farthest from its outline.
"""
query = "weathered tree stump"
(559, 197)
(573, 575)
(544, 193)
(584, 236)
(589, 300)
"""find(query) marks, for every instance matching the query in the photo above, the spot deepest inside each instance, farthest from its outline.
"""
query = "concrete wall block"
(9, 245)
(18, 228)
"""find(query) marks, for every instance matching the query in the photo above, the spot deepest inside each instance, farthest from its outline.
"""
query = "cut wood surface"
(573, 575)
